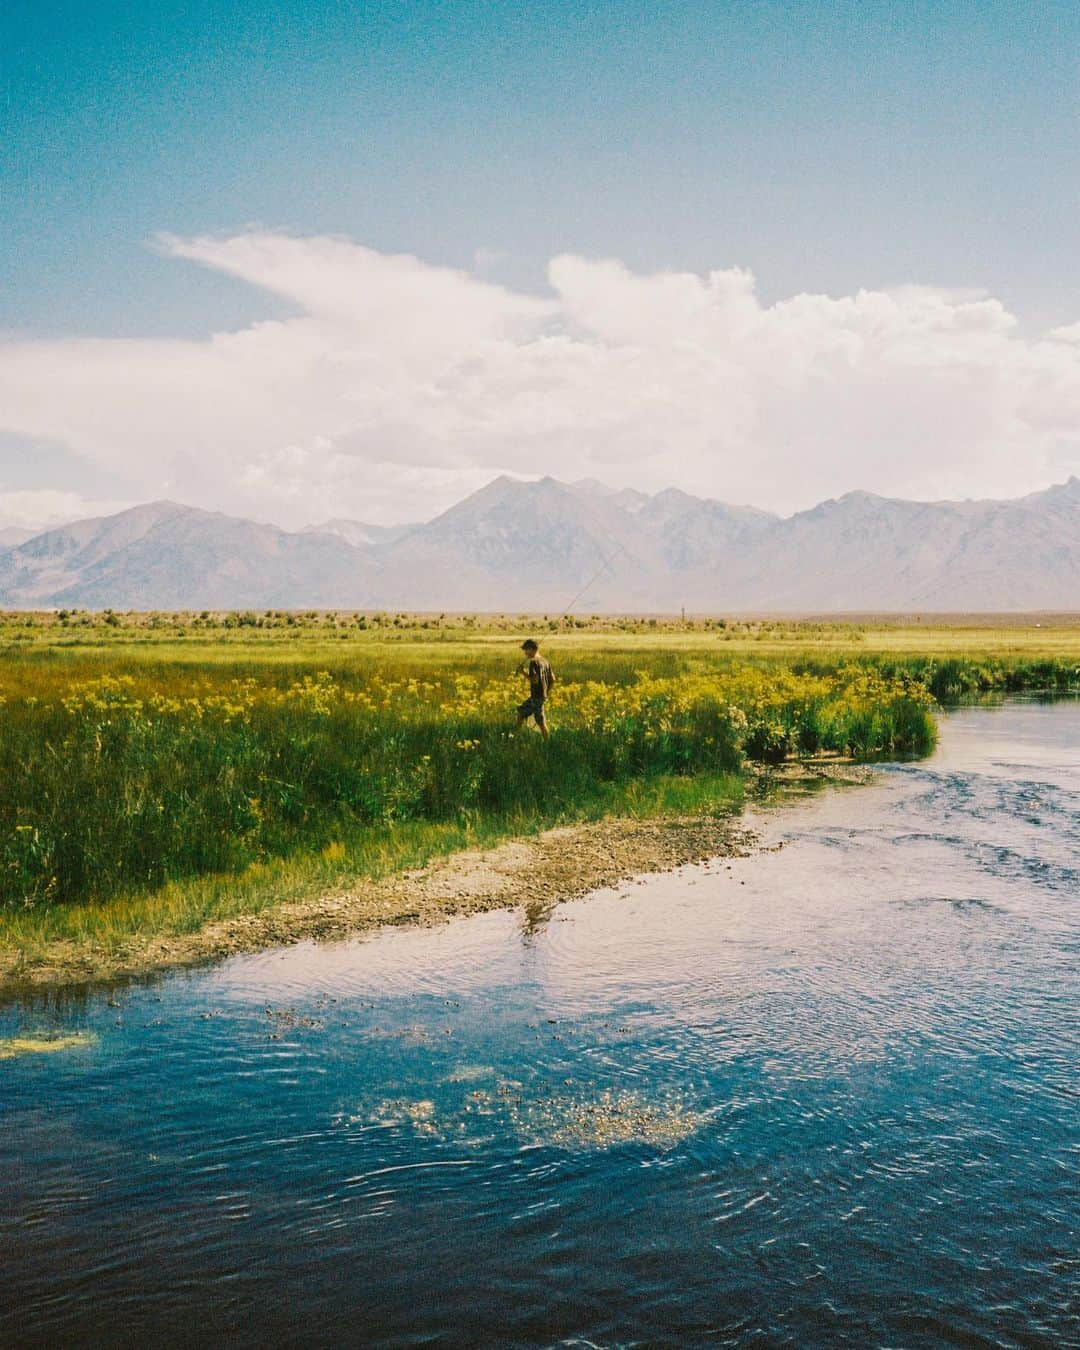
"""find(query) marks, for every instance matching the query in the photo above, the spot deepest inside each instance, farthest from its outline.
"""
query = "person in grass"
(541, 678)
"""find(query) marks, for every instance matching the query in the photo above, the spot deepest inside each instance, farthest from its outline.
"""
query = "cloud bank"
(398, 386)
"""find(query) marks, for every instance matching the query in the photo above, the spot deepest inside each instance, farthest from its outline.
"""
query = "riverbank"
(535, 872)
(162, 802)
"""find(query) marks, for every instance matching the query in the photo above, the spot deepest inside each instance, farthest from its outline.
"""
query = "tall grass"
(120, 784)
(951, 679)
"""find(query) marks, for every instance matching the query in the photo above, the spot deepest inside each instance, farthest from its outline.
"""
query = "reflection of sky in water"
(821, 1095)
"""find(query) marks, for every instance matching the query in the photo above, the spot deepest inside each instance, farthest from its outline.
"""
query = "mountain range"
(551, 547)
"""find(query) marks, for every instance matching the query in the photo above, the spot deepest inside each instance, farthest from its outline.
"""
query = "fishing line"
(606, 563)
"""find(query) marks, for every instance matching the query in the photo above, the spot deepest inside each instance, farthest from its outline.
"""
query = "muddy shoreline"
(534, 874)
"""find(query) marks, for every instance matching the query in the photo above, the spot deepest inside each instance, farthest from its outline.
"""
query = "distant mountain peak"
(594, 487)
(1069, 489)
(542, 544)
(674, 494)
(860, 495)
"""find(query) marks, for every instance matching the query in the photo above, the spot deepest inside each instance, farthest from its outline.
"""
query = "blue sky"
(826, 147)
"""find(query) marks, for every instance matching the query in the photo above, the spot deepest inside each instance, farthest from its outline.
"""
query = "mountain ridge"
(547, 545)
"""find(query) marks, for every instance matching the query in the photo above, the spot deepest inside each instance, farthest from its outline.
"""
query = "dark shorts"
(532, 707)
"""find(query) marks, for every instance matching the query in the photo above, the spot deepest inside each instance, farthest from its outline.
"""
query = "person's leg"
(541, 722)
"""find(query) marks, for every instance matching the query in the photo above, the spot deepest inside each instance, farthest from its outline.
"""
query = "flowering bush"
(116, 783)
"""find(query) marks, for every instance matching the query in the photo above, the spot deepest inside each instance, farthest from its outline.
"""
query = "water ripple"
(826, 1095)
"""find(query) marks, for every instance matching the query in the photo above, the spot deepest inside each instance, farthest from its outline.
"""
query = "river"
(824, 1095)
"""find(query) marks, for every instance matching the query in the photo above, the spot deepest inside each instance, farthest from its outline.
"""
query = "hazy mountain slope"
(516, 545)
(855, 552)
(695, 534)
(627, 499)
(867, 552)
(358, 533)
(50, 562)
(1024, 552)
(165, 556)
(548, 546)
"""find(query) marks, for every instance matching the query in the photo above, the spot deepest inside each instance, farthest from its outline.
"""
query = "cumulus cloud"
(397, 386)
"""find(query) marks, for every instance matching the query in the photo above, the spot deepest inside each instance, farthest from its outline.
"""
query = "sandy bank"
(534, 873)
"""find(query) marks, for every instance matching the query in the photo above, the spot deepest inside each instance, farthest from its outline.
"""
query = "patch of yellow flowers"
(654, 706)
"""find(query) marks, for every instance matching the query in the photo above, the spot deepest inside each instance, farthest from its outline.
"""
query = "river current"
(824, 1095)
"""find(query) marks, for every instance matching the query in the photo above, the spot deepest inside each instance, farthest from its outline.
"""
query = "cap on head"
(529, 645)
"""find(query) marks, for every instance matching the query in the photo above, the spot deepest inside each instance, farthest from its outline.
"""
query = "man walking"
(541, 678)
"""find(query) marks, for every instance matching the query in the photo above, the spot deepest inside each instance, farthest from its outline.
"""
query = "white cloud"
(42, 508)
(398, 386)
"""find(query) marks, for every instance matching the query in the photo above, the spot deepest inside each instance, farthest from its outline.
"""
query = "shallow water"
(826, 1095)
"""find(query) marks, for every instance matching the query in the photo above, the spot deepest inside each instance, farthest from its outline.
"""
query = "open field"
(162, 772)
(209, 636)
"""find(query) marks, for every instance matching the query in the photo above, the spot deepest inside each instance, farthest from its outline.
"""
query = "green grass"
(365, 854)
(118, 785)
(160, 771)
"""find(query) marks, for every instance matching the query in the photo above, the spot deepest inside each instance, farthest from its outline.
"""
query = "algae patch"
(604, 1121)
(574, 1120)
(400, 1111)
(470, 1073)
(12, 1047)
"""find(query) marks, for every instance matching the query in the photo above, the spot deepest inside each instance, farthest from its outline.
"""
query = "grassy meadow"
(157, 771)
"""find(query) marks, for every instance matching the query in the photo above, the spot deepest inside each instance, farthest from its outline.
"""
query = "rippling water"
(827, 1095)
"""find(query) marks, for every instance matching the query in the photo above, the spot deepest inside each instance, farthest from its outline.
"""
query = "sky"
(304, 259)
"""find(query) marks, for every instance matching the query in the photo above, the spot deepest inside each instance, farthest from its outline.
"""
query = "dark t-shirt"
(541, 677)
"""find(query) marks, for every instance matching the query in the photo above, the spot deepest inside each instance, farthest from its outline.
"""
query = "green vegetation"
(124, 784)
(12, 1047)
(161, 770)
